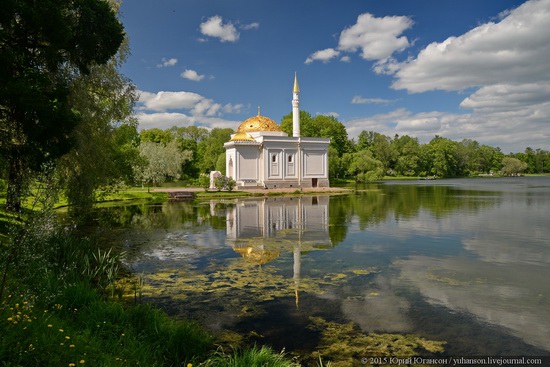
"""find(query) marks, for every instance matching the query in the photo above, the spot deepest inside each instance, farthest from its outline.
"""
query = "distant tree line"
(371, 156)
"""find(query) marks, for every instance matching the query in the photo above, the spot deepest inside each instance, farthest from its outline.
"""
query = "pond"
(461, 265)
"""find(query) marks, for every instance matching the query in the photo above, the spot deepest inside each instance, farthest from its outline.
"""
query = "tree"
(512, 166)
(365, 167)
(407, 150)
(44, 46)
(160, 162)
(106, 140)
(320, 127)
(210, 148)
(156, 135)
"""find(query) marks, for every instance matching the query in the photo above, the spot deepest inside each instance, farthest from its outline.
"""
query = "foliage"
(210, 148)
(251, 357)
(204, 181)
(512, 166)
(105, 142)
(224, 183)
(43, 47)
(346, 344)
(162, 162)
(365, 167)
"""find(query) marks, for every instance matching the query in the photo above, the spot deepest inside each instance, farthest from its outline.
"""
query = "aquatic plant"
(250, 357)
(345, 344)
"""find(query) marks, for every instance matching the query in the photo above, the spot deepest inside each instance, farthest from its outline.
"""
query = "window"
(274, 158)
(290, 158)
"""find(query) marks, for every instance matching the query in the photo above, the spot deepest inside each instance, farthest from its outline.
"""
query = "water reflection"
(260, 229)
(465, 261)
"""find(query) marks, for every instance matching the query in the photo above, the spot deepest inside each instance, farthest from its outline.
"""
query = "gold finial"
(259, 110)
(296, 87)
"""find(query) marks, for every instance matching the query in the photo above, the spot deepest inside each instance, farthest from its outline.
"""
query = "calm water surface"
(463, 261)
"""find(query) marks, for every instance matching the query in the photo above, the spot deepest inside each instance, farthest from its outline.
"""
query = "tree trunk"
(15, 184)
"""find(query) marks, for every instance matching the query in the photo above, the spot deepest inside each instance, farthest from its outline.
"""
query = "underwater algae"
(344, 345)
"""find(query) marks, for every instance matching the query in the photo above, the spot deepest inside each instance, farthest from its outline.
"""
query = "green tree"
(365, 167)
(407, 150)
(156, 135)
(161, 162)
(513, 166)
(105, 147)
(320, 127)
(44, 46)
(210, 148)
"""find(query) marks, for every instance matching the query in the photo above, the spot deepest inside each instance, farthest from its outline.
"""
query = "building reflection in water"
(260, 230)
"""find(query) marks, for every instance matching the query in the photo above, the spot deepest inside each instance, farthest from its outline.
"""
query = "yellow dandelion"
(189, 365)
(61, 330)
(67, 337)
(82, 361)
(72, 364)
(50, 325)
(71, 346)
(10, 318)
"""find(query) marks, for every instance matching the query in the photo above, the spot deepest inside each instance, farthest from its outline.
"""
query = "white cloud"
(247, 27)
(377, 38)
(506, 62)
(166, 109)
(165, 120)
(323, 55)
(514, 51)
(214, 27)
(186, 108)
(192, 75)
(362, 100)
(167, 62)
(163, 101)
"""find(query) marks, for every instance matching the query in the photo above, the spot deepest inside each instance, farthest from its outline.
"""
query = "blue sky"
(464, 69)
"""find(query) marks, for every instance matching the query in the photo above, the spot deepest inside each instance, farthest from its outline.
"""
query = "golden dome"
(256, 255)
(258, 123)
(242, 136)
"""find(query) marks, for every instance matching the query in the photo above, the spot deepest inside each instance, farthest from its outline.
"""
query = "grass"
(60, 307)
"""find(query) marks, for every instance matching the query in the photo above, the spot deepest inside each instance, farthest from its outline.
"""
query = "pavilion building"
(261, 155)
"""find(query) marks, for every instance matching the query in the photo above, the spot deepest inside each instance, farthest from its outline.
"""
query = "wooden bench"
(181, 195)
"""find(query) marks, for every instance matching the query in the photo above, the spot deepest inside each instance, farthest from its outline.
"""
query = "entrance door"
(313, 182)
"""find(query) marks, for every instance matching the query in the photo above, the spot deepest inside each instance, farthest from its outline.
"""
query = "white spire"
(296, 108)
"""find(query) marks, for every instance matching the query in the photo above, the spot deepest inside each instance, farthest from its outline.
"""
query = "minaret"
(296, 108)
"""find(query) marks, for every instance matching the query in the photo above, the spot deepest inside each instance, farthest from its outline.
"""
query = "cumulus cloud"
(514, 51)
(247, 27)
(505, 62)
(192, 75)
(165, 120)
(362, 100)
(322, 55)
(163, 101)
(166, 109)
(167, 62)
(215, 27)
(376, 38)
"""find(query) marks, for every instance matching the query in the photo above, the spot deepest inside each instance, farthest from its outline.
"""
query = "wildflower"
(67, 337)
(71, 346)
(82, 361)
(72, 364)
(61, 330)
(10, 318)
(50, 325)
(189, 365)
